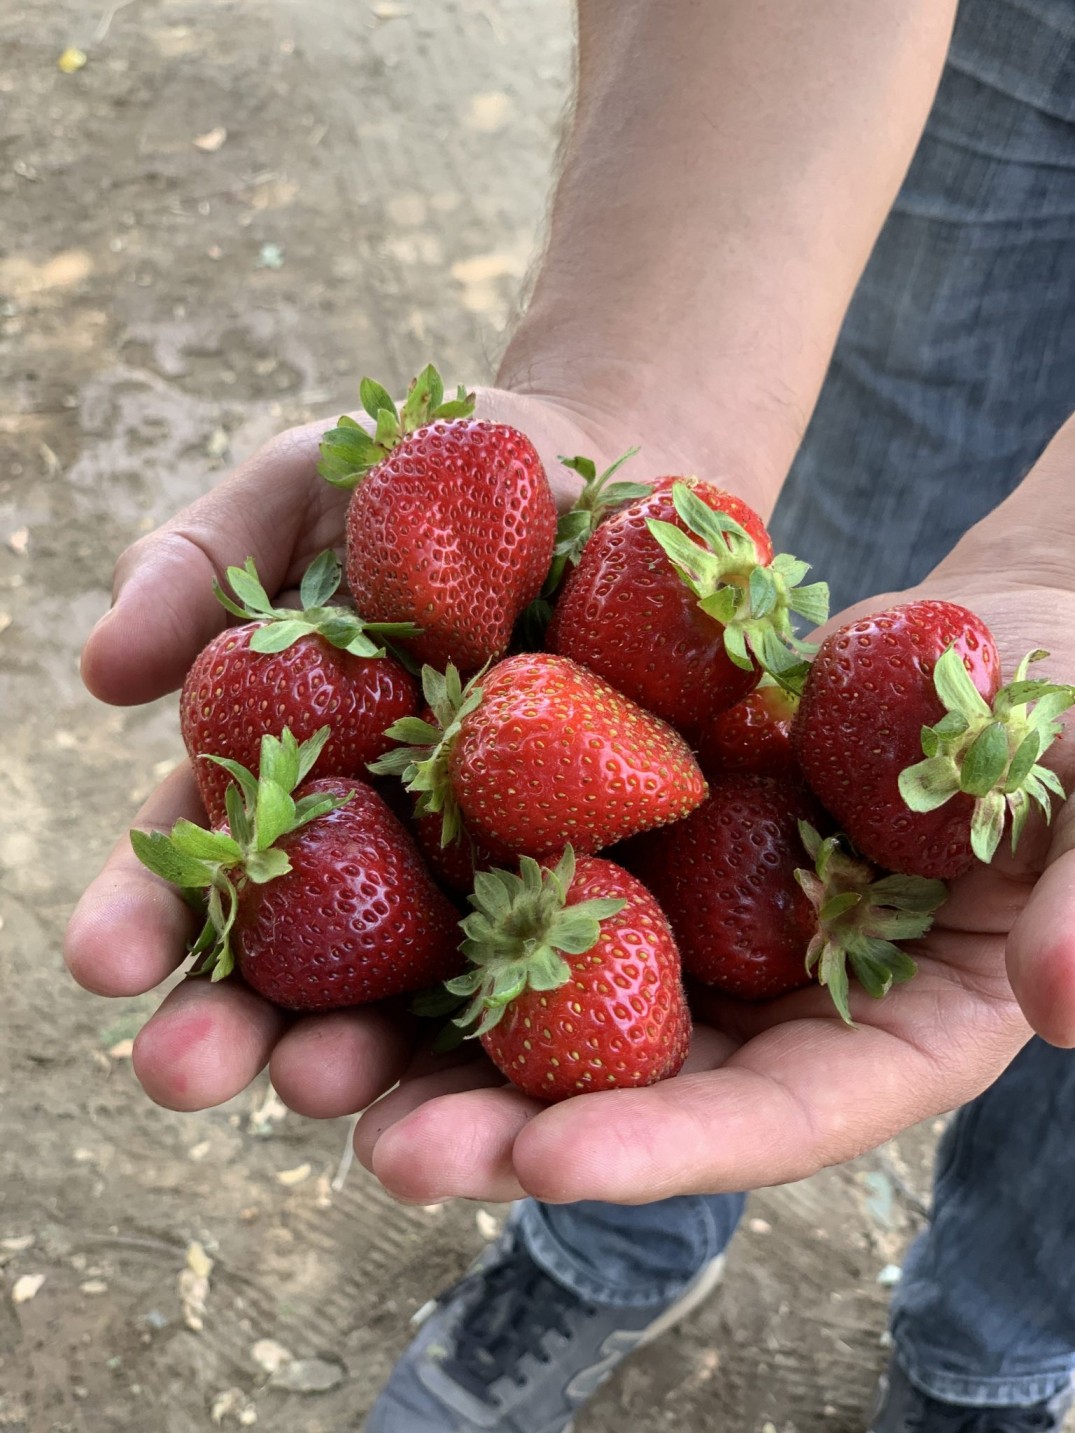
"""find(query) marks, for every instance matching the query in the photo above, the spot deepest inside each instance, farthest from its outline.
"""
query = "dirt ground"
(209, 232)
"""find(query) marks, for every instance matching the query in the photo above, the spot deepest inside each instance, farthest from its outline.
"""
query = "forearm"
(728, 170)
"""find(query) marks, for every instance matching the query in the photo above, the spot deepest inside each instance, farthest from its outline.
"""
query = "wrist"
(712, 429)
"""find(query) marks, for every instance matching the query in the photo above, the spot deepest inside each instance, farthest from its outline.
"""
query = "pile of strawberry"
(616, 747)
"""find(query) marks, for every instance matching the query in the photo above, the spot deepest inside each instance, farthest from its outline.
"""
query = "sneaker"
(508, 1348)
(902, 1408)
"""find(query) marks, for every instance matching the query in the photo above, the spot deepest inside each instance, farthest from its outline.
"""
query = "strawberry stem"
(989, 752)
(861, 915)
(350, 450)
(517, 935)
(422, 762)
(752, 601)
(339, 626)
(222, 863)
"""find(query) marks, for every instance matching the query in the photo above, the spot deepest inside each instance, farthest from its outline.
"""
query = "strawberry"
(294, 669)
(451, 525)
(455, 863)
(684, 627)
(317, 892)
(575, 982)
(757, 899)
(925, 678)
(753, 736)
(539, 752)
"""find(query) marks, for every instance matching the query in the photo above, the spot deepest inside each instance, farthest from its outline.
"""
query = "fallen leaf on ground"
(211, 141)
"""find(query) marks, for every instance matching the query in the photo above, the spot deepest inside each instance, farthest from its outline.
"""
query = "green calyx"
(260, 809)
(516, 938)
(349, 450)
(989, 752)
(422, 762)
(597, 499)
(340, 626)
(860, 918)
(752, 602)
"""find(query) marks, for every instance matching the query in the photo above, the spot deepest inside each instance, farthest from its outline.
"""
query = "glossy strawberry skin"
(625, 613)
(455, 865)
(357, 918)
(753, 736)
(869, 693)
(553, 755)
(232, 696)
(726, 879)
(620, 1022)
(454, 531)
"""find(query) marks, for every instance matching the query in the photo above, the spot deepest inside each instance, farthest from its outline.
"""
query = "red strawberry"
(576, 980)
(295, 669)
(682, 627)
(925, 678)
(756, 898)
(451, 525)
(539, 753)
(753, 736)
(455, 863)
(320, 896)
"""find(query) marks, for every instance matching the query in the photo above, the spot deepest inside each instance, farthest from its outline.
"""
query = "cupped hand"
(130, 929)
(775, 1091)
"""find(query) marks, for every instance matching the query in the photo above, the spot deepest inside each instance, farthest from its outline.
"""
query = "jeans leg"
(985, 1312)
(631, 1255)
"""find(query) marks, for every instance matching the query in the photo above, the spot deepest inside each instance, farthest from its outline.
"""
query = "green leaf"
(832, 973)
(839, 905)
(1023, 761)
(203, 845)
(929, 784)
(386, 435)
(811, 602)
(714, 527)
(762, 592)
(278, 760)
(375, 398)
(156, 851)
(308, 753)
(267, 865)
(985, 761)
(246, 780)
(722, 604)
(238, 822)
(247, 587)
(228, 603)
(699, 568)
(426, 393)
(735, 644)
(274, 815)
(278, 636)
(987, 825)
(321, 579)
(951, 724)
(910, 893)
(955, 688)
(585, 467)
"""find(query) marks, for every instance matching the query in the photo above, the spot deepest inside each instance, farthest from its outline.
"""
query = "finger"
(794, 1099)
(131, 929)
(1041, 948)
(455, 1146)
(274, 508)
(424, 1145)
(330, 1065)
(205, 1044)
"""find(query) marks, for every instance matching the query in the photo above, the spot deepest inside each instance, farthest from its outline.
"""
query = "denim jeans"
(955, 365)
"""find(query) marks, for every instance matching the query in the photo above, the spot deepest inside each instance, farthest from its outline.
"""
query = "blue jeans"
(955, 365)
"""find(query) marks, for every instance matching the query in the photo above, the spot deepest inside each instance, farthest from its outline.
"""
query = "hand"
(130, 929)
(774, 1092)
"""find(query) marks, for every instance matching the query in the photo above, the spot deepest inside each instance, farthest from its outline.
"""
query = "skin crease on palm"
(770, 1092)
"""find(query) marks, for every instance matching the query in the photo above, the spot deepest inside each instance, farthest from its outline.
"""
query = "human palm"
(770, 1092)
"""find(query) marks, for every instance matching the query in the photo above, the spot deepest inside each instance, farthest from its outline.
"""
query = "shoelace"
(518, 1307)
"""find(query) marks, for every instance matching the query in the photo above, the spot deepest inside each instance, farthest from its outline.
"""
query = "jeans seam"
(987, 1392)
